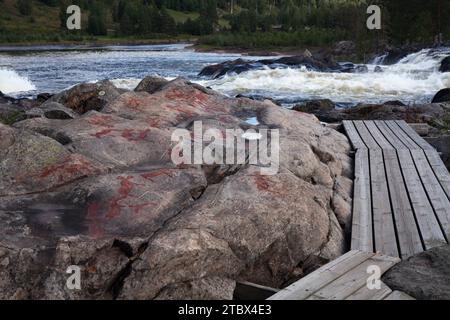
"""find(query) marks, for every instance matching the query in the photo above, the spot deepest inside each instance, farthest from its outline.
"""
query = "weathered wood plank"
(355, 139)
(407, 230)
(305, 287)
(405, 139)
(398, 295)
(378, 136)
(366, 294)
(436, 194)
(440, 170)
(390, 136)
(429, 227)
(362, 237)
(414, 135)
(352, 281)
(383, 222)
(365, 135)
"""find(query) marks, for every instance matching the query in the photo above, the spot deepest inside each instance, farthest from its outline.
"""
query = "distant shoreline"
(11, 47)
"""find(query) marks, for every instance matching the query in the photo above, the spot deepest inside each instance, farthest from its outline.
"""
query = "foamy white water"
(11, 82)
(416, 78)
(413, 79)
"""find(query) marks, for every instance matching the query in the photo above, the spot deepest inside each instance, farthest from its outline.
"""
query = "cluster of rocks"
(320, 61)
(87, 180)
(435, 115)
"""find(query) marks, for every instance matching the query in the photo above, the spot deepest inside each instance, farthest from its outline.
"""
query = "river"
(26, 71)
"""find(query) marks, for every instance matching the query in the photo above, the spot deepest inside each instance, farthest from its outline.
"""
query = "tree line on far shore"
(242, 22)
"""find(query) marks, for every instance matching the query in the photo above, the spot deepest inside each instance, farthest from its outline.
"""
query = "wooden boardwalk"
(401, 192)
(344, 279)
(401, 207)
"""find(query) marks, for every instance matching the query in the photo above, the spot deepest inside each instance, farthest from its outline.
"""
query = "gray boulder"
(151, 84)
(425, 276)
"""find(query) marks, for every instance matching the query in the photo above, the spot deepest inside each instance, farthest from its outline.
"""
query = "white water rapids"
(414, 79)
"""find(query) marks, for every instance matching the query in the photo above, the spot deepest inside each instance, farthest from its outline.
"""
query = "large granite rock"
(87, 96)
(425, 276)
(100, 192)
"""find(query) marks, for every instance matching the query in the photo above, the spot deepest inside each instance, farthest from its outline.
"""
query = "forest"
(224, 23)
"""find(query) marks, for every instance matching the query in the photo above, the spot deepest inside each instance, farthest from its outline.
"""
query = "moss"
(11, 118)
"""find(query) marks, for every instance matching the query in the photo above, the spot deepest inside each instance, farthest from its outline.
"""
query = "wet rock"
(87, 96)
(324, 105)
(151, 84)
(442, 96)
(445, 65)
(378, 69)
(320, 62)
(425, 276)
(360, 69)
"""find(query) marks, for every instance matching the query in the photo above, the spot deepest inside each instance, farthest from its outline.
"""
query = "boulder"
(425, 276)
(436, 115)
(151, 84)
(323, 105)
(445, 65)
(52, 110)
(87, 96)
(442, 96)
(101, 192)
(322, 61)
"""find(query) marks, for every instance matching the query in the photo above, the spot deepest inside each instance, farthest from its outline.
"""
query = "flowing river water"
(27, 71)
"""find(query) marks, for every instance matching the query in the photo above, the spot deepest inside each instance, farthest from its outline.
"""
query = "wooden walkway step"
(346, 278)
(401, 190)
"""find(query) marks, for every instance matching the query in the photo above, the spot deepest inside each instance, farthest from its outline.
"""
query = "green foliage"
(404, 21)
(25, 7)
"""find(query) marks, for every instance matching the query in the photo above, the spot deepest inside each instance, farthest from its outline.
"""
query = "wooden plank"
(355, 139)
(362, 238)
(378, 136)
(428, 225)
(407, 230)
(390, 136)
(383, 222)
(405, 139)
(354, 280)
(414, 135)
(436, 194)
(365, 135)
(398, 295)
(367, 294)
(305, 287)
(440, 170)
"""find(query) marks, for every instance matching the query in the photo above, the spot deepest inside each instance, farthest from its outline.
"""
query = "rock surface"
(320, 62)
(445, 65)
(425, 276)
(442, 96)
(151, 84)
(100, 192)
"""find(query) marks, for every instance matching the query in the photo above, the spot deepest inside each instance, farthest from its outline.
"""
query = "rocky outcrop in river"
(92, 185)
